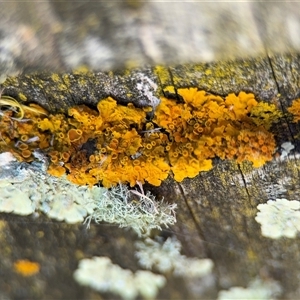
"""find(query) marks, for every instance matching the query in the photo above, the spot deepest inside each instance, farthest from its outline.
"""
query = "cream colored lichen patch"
(102, 275)
(70, 203)
(166, 257)
(279, 218)
(15, 201)
(256, 290)
(26, 189)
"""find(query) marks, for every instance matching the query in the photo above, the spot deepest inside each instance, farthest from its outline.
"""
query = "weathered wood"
(216, 209)
(59, 36)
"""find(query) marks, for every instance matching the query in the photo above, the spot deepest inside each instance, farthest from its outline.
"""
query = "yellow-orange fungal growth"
(26, 153)
(117, 144)
(26, 268)
(209, 126)
(56, 170)
(295, 110)
(74, 135)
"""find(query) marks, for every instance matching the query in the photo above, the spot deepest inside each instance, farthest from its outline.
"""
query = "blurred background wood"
(63, 35)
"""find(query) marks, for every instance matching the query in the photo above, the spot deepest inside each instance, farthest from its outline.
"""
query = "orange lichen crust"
(18, 130)
(204, 126)
(295, 110)
(90, 146)
(112, 147)
(26, 268)
(117, 144)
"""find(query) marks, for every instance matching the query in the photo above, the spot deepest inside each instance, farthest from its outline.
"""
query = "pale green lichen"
(13, 200)
(102, 275)
(38, 191)
(279, 218)
(257, 289)
(165, 257)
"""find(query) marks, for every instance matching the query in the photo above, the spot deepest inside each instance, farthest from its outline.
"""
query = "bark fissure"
(281, 91)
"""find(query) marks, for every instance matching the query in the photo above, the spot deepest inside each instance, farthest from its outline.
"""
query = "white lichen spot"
(28, 188)
(165, 257)
(279, 218)
(6, 158)
(147, 87)
(257, 289)
(102, 275)
(286, 148)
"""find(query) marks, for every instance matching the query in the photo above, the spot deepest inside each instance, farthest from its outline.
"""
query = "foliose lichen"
(102, 275)
(204, 126)
(165, 257)
(279, 218)
(257, 289)
(33, 190)
(295, 110)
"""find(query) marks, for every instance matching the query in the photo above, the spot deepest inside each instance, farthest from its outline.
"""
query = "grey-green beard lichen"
(27, 188)
(117, 206)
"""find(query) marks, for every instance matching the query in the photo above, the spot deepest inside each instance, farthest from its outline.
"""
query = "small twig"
(143, 196)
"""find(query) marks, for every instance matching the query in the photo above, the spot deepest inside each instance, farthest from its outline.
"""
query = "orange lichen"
(73, 135)
(56, 170)
(23, 146)
(205, 126)
(295, 110)
(26, 268)
(104, 144)
(26, 153)
(118, 144)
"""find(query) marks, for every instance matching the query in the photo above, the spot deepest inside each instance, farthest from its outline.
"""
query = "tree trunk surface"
(216, 209)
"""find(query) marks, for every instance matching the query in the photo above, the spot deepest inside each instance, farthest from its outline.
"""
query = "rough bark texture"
(216, 209)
